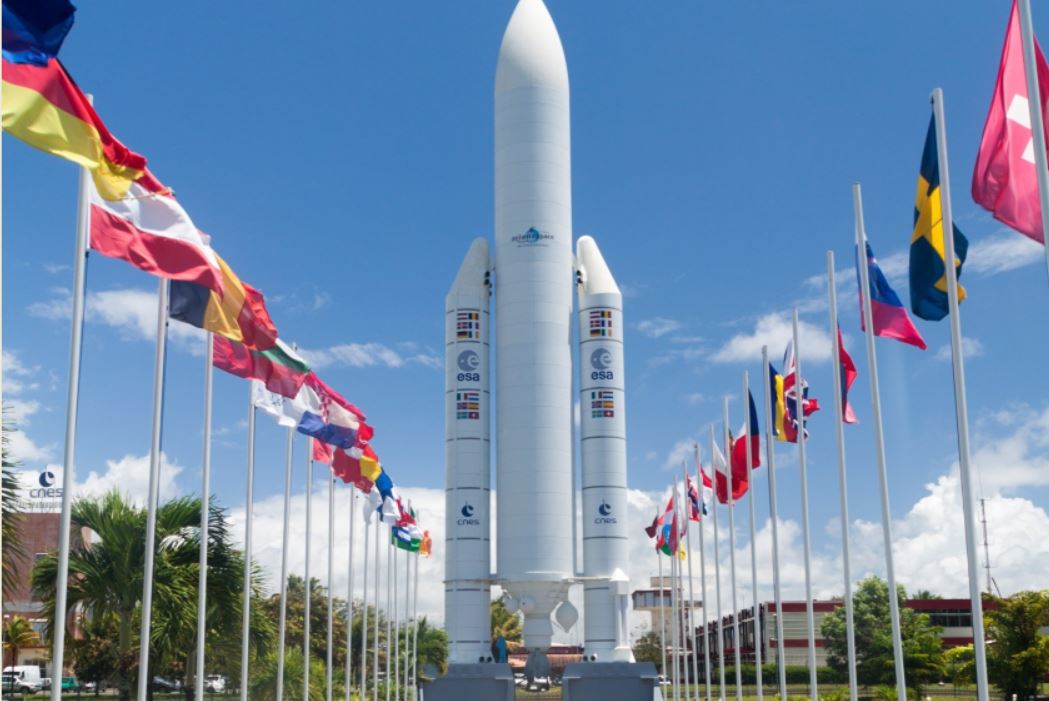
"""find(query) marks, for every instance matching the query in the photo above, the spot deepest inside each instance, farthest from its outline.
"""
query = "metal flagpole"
(205, 503)
(396, 623)
(691, 591)
(753, 548)
(662, 612)
(732, 550)
(810, 619)
(843, 491)
(674, 602)
(364, 609)
(703, 583)
(248, 509)
(415, 632)
(349, 598)
(879, 442)
(76, 334)
(407, 617)
(770, 456)
(680, 589)
(328, 667)
(307, 590)
(960, 402)
(1034, 106)
(717, 586)
(154, 491)
(390, 584)
(286, 535)
(375, 632)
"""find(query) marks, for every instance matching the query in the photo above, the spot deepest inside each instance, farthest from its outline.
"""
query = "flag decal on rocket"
(468, 405)
(602, 404)
(601, 323)
(467, 326)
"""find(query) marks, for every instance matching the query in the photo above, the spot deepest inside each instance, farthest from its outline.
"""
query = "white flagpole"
(843, 490)
(1034, 106)
(691, 591)
(375, 632)
(407, 619)
(328, 667)
(770, 455)
(205, 496)
(732, 551)
(753, 538)
(960, 403)
(810, 618)
(396, 624)
(154, 492)
(364, 610)
(717, 582)
(674, 603)
(679, 586)
(307, 589)
(879, 442)
(76, 335)
(415, 631)
(248, 509)
(662, 612)
(703, 582)
(282, 626)
(390, 585)
(349, 598)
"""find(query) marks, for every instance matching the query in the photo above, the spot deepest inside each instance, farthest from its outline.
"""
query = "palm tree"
(505, 623)
(18, 633)
(13, 551)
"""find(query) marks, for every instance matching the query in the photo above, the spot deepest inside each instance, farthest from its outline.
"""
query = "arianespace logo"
(468, 516)
(47, 489)
(532, 237)
(605, 513)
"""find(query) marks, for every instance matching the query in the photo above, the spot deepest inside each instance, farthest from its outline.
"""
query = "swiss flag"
(1005, 180)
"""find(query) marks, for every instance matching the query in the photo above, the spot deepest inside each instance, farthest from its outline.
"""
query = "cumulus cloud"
(775, 331)
(658, 327)
(18, 379)
(971, 348)
(1001, 253)
(364, 355)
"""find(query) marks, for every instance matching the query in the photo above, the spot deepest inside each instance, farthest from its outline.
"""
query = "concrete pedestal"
(600, 681)
(473, 682)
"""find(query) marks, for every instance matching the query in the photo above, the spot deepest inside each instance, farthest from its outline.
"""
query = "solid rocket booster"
(467, 591)
(533, 311)
(602, 432)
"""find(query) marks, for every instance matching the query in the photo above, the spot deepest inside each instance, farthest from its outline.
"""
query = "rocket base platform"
(623, 681)
(473, 682)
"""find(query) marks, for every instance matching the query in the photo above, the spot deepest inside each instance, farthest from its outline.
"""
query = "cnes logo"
(47, 490)
(605, 514)
(468, 516)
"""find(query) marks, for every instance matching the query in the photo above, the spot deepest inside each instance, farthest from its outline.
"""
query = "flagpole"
(282, 626)
(248, 509)
(390, 584)
(375, 632)
(349, 598)
(364, 611)
(154, 491)
(879, 442)
(407, 618)
(395, 625)
(415, 631)
(753, 538)
(799, 405)
(1034, 106)
(662, 612)
(732, 550)
(307, 593)
(960, 401)
(843, 498)
(703, 583)
(205, 503)
(717, 584)
(328, 667)
(691, 591)
(770, 456)
(674, 640)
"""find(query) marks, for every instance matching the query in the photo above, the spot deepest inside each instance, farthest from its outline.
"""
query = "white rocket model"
(534, 273)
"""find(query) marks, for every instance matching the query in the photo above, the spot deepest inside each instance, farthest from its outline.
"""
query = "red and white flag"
(1005, 180)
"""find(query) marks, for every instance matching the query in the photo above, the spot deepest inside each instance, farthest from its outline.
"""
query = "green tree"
(505, 623)
(433, 648)
(93, 654)
(14, 554)
(961, 666)
(922, 650)
(18, 633)
(1019, 655)
(263, 685)
(296, 609)
(648, 649)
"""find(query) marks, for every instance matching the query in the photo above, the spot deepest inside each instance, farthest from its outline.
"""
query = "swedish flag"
(928, 259)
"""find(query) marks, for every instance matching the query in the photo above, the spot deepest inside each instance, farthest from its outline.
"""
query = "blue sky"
(340, 157)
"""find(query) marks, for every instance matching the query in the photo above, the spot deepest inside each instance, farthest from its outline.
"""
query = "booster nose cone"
(531, 54)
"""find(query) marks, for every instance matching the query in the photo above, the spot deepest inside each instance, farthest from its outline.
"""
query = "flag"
(323, 453)
(313, 415)
(43, 106)
(848, 375)
(778, 405)
(389, 509)
(651, 530)
(928, 269)
(1005, 181)
(791, 422)
(752, 431)
(697, 508)
(721, 478)
(329, 395)
(890, 318)
(238, 312)
(371, 505)
(358, 466)
(708, 490)
(426, 546)
(279, 368)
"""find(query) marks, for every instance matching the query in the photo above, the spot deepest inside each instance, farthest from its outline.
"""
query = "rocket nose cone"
(531, 54)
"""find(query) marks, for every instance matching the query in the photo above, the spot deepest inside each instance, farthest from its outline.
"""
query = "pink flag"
(1005, 180)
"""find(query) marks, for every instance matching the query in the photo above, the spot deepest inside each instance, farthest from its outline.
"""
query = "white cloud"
(775, 330)
(18, 378)
(695, 398)
(658, 327)
(129, 475)
(1001, 253)
(25, 450)
(681, 452)
(971, 348)
(362, 355)
(1020, 458)
(55, 268)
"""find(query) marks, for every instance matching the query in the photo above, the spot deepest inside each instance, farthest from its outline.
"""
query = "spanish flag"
(928, 270)
(43, 106)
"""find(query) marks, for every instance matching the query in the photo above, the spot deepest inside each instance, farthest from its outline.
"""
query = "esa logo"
(605, 514)
(468, 363)
(601, 361)
(47, 489)
(468, 520)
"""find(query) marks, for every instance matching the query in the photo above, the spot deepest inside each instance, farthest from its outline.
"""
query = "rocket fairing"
(467, 591)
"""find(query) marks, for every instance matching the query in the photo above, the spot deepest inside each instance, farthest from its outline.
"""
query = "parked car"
(215, 684)
(95, 686)
(24, 679)
(13, 685)
(70, 684)
(165, 686)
